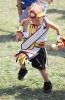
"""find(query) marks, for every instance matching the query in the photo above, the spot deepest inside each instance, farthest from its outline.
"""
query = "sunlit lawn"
(31, 87)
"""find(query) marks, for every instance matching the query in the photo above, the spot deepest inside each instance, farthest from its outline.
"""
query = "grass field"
(31, 87)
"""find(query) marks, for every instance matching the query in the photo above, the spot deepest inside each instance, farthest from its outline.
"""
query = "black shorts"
(39, 61)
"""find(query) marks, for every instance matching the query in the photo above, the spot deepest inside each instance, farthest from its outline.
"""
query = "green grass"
(31, 87)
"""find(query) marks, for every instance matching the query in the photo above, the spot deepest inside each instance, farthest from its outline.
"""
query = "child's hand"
(19, 34)
(61, 40)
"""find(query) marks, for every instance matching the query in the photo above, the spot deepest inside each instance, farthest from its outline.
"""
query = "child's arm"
(61, 39)
(54, 26)
(22, 28)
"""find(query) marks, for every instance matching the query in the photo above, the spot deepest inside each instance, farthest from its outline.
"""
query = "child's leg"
(47, 84)
(22, 71)
(39, 63)
(44, 74)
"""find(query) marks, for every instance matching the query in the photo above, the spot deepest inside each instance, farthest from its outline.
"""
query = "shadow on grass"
(7, 37)
(25, 93)
(58, 11)
(60, 53)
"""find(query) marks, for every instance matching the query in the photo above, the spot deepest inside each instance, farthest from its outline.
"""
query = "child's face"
(36, 18)
(37, 21)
